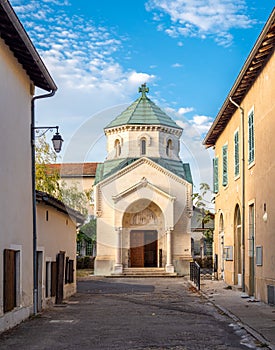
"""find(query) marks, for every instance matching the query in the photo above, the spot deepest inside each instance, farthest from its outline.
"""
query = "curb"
(260, 338)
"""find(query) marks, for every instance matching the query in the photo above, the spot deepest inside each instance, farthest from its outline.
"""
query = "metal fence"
(195, 273)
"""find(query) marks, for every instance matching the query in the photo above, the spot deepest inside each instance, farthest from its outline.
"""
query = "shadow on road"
(112, 287)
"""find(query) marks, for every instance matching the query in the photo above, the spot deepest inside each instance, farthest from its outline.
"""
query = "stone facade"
(143, 196)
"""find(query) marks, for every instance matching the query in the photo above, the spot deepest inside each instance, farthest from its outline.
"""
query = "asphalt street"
(132, 313)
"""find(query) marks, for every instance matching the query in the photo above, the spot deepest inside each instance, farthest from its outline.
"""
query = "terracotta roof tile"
(74, 169)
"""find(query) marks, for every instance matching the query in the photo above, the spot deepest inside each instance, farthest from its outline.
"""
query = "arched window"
(117, 148)
(143, 146)
(169, 148)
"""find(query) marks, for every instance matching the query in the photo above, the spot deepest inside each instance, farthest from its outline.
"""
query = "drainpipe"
(35, 280)
(243, 193)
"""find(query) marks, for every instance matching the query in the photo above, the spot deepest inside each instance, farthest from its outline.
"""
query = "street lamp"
(56, 140)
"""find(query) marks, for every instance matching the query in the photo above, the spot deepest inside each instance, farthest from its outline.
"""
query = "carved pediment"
(145, 217)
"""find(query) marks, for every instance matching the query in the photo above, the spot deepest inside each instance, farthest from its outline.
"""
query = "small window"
(143, 146)
(228, 253)
(117, 148)
(259, 255)
(236, 154)
(169, 148)
(89, 248)
(251, 145)
(224, 166)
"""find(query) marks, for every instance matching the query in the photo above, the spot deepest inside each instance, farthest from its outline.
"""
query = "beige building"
(56, 249)
(21, 70)
(143, 194)
(243, 138)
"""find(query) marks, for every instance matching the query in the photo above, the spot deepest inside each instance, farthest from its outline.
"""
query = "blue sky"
(189, 52)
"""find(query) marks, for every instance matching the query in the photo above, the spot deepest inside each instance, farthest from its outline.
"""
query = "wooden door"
(137, 248)
(9, 280)
(150, 249)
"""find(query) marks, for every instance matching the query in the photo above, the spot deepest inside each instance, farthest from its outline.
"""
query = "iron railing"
(195, 274)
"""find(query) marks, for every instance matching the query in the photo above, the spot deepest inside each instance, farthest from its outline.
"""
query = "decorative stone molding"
(124, 128)
(142, 183)
(145, 217)
(137, 163)
(146, 137)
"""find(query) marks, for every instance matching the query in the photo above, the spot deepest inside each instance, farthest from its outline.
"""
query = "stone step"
(145, 272)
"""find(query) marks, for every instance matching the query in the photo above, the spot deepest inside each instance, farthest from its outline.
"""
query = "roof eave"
(265, 39)
(49, 84)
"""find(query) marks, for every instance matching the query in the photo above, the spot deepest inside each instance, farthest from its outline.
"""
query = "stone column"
(118, 263)
(169, 266)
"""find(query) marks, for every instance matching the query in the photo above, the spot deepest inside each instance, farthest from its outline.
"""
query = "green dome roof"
(143, 112)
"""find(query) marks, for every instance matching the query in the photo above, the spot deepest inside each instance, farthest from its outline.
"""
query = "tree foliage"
(48, 179)
(202, 203)
(88, 230)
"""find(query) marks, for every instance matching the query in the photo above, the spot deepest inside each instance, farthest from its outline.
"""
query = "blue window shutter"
(236, 152)
(251, 146)
(224, 165)
(216, 175)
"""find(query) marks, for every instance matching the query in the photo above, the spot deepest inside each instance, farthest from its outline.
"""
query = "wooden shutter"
(251, 148)
(224, 166)
(60, 260)
(67, 270)
(9, 280)
(71, 271)
(236, 153)
(216, 175)
(53, 278)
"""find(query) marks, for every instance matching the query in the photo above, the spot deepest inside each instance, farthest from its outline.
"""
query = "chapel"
(143, 194)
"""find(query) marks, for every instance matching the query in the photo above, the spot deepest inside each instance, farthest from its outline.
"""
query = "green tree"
(202, 203)
(89, 230)
(73, 198)
(48, 179)
(87, 233)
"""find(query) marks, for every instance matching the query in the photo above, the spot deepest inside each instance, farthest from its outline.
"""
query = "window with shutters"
(225, 165)
(236, 154)
(251, 144)
(216, 175)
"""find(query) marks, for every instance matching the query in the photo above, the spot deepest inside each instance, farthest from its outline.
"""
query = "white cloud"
(79, 54)
(184, 110)
(192, 150)
(201, 18)
(176, 65)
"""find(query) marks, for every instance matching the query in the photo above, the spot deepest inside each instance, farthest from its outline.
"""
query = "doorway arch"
(237, 246)
(221, 245)
(143, 235)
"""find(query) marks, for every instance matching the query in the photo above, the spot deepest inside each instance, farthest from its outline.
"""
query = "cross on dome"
(143, 89)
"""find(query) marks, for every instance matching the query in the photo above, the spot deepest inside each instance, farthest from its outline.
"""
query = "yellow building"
(244, 168)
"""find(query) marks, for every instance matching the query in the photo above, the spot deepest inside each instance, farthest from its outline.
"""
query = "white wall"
(15, 178)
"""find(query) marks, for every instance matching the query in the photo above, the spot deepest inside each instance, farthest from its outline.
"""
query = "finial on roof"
(143, 89)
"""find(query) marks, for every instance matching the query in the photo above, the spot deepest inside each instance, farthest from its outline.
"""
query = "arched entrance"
(237, 246)
(143, 235)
